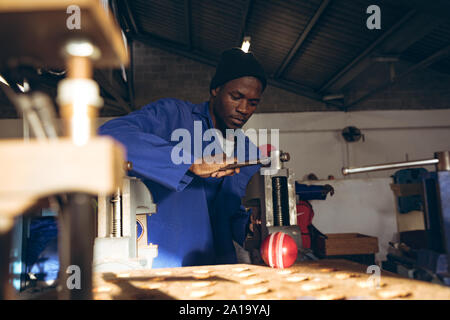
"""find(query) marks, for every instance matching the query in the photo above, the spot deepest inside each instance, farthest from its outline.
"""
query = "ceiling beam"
(179, 49)
(130, 76)
(440, 54)
(111, 90)
(112, 105)
(301, 39)
(437, 8)
(244, 21)
(408, 30)
(302, 91)
(130, 17)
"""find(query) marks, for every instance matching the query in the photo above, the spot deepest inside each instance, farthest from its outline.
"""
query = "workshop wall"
(315, 143)
(423, 89)
(159, 74)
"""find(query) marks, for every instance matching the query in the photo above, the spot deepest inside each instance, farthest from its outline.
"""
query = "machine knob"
(128, 165)
(284, 157)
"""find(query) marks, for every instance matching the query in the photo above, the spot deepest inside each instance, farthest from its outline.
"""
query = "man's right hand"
(211, 165)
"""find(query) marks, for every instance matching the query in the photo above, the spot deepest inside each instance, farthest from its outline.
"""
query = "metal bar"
(130, 17)
(246, 13)
(116, 228)
(358, 64)
(387, 166)
(45, 109)
(5, 249)
(423, 64)
(76, 235)
(301, 90)
(263, 162)
(444, 202)
(301, 39)
(432, 212)
(130, 76)
(23, 105)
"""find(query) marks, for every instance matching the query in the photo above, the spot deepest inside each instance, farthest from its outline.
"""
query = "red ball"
(279, 250)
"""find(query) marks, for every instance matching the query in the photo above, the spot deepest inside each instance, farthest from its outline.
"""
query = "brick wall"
(423, 89)
(160, 74)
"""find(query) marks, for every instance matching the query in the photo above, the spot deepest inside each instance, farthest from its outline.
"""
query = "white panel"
(364, 206)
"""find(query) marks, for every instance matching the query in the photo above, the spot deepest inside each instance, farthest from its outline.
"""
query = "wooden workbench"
(324, 279)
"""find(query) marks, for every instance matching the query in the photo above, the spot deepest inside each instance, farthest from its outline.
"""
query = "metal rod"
(387, 166)
(264, 162)
(116, 230)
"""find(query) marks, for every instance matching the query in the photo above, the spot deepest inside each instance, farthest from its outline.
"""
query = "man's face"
(234, 102)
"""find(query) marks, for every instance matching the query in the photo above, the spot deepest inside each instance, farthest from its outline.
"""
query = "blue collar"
(203, 110)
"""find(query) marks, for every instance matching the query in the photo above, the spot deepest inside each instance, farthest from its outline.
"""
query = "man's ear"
(215, 91)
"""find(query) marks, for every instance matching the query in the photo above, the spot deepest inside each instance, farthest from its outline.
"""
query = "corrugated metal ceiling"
(335, 38)
(339, 37)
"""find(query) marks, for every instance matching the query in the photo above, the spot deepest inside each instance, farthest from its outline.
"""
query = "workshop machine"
(272, 193)
(433, 261)
(122, 241)
(76, 166)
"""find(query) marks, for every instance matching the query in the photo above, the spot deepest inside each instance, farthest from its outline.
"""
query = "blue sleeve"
(310, 192)
(146, 136)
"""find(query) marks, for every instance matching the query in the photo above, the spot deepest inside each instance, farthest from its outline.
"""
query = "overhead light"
(246, 44)
(386, 58)
(82, 49)
(25, 87)
(2, 80)
(333, 97)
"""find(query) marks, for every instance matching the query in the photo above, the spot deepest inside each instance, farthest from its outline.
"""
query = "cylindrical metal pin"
(387, 166)
(444, 160)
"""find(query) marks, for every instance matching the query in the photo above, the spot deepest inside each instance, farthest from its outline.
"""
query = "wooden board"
(36, 30)
(339, 244)
(323, 279)
(34, 169)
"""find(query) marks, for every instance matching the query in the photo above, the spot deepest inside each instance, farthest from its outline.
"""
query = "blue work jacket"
(197, 218)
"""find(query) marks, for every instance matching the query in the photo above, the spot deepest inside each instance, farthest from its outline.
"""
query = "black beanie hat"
(235, 63)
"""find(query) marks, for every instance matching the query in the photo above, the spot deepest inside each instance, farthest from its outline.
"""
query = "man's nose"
(243, 107)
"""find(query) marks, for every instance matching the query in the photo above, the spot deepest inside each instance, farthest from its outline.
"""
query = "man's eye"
(234, 97)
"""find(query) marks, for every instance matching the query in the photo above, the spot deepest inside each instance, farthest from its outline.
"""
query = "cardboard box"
(340, 244)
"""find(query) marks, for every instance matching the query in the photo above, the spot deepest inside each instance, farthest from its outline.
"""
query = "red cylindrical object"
(305, 214)
(279, 250)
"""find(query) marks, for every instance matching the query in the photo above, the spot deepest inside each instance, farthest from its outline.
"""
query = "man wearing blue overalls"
(199, 207)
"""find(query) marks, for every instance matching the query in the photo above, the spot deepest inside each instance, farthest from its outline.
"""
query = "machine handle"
(387, 166)
(265, 162)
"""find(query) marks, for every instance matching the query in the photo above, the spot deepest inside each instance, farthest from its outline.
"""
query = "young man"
(199, 211)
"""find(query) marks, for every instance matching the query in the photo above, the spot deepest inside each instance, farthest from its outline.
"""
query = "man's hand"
(328, 189)
(255, 219)
(211, 165)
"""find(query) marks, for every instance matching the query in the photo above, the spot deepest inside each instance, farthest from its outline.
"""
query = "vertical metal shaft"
(280, 200)
(5, 248)
(76, 243)
(116, 201)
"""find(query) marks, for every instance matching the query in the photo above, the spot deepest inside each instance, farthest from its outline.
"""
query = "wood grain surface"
(323, 279)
